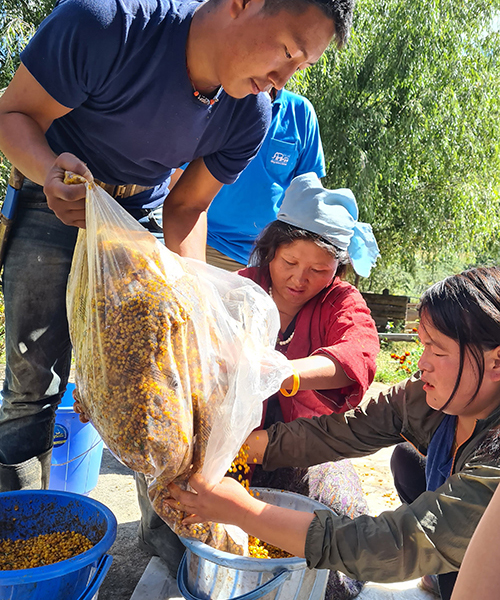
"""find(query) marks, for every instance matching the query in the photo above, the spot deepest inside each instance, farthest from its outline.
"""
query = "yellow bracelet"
(295, 386)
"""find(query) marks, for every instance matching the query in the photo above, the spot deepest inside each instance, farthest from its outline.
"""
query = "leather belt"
(123, 191)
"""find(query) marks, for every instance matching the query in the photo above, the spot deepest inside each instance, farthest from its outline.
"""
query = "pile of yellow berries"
(259, 549)
(41, 550)
(239, 470)
(141, 337)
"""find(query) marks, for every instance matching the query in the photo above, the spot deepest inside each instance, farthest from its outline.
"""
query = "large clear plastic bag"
(173, 357)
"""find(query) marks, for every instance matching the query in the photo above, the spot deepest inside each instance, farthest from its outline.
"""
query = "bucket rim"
(250, 563)
(69, 565)
(68, 409)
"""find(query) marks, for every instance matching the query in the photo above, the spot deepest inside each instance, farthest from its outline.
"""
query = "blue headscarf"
(333, 214)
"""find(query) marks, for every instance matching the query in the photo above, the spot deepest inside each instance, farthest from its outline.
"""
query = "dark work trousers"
(37, 344)
(408, 470)
(38, 350)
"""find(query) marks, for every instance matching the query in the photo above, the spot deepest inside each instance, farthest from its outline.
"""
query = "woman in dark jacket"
(449, 411)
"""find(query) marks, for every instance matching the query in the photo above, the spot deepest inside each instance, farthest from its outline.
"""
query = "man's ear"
(495, 364)
(238, 7)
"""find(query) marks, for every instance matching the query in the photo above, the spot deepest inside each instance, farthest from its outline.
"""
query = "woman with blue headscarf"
(326, 332)
(326, 328)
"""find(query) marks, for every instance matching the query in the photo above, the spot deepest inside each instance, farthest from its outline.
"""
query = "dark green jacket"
(430, 535)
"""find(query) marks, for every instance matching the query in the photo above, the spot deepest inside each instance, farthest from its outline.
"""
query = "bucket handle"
(80, 455)
(99, 575)
(259, 592)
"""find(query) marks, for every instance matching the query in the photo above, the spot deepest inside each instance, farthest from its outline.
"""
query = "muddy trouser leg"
(37, 345)
(155, 536)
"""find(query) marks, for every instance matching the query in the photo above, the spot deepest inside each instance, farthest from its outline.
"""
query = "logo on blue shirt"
(279, 158)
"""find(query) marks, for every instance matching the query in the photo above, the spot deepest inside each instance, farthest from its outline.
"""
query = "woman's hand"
(67, 201)
(225, 502)
(78, 408)
(229, 502)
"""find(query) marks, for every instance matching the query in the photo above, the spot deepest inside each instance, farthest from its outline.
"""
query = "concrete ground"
(116, 489)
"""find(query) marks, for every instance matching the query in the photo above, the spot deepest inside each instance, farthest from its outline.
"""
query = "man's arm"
(26, 112)
(184, 210)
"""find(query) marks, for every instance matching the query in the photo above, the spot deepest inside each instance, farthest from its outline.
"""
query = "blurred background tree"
(18, 22)
(409, 117)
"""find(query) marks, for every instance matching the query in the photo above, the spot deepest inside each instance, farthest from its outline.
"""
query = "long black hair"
(466, 308)
(277, 234)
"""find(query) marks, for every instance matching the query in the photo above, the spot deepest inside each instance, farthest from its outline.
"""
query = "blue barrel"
(28, 513)
(77, 452)
(209, 574)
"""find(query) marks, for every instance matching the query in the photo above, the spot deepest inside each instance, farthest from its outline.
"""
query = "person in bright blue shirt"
(241, 210)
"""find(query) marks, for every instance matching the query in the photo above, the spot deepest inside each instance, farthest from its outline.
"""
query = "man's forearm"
(26, 113)
(184, 210)
(185, 232)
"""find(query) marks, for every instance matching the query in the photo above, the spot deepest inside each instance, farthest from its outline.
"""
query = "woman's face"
(439, 365)
(299, 271)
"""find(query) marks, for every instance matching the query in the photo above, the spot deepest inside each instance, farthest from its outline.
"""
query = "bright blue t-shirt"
(121, 66)
(292, 147)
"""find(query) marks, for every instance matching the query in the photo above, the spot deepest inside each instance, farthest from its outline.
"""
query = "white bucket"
(209, 574)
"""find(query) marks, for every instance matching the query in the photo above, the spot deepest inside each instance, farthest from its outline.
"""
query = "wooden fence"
(386, 308)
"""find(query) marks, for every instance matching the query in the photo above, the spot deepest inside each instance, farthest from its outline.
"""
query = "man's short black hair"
(339, 11)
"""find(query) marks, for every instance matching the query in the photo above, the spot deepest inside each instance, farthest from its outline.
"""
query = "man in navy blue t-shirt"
(126, 91)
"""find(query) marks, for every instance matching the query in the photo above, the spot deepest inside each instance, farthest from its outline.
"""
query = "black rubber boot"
(32, 474)
(155, 536)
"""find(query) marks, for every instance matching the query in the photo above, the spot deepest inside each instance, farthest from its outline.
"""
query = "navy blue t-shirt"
(439, 456)
(121, 66)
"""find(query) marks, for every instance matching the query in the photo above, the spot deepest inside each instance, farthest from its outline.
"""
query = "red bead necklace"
(202, 98)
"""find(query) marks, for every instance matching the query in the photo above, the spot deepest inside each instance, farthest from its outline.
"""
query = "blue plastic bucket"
(209, 574)
(77, 452)
(29, 513)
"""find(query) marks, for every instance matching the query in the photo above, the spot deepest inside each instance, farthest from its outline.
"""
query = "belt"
(123, 191)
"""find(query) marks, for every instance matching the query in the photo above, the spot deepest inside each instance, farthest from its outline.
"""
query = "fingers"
(67, 200)
(77, 407)
(69, 162)
(182, 507)
(185, 502)
(79, 411)
(181, 498)
(192, 520)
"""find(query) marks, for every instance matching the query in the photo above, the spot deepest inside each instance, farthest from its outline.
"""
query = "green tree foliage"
(409, 117)
(18, 22)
